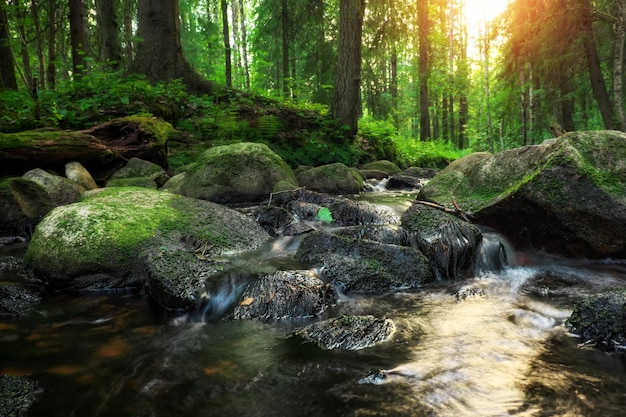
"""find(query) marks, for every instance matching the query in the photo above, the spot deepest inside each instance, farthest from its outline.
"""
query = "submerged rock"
(600, 319)
(284, 294)
(17, 301)
(348, 332)
(104, 236)
(567, 196)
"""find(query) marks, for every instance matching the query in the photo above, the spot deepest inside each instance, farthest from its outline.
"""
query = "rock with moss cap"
(567, 196)
(22, 204)
(238, 173)
(138, 172)
(334, 178)
(99, 242)
(383, 165)
(61, 190)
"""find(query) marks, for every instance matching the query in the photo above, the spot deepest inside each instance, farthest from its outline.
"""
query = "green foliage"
(431, 154)
(97, 96)
(379, 140)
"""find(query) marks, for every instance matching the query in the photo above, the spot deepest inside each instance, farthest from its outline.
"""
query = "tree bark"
(346, 106)
(109, 32)
(159, 55)
(423, 68)
(228, 69)
(284, 14)
(78, 36)
(598, 85)
(7, 62)
(51, 69)
(618, 64)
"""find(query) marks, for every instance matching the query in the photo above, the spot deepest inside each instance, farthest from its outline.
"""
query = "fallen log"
(101, 149)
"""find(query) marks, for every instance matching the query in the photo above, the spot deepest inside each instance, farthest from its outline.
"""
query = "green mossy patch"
(107, 231)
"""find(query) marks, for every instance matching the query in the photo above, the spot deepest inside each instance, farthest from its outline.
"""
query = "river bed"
(501, 351)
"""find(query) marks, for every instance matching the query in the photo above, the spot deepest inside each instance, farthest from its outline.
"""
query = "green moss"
(159, 129)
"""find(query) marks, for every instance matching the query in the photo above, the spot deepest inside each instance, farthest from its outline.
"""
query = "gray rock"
(22, 204)
(284, 294)
(18, 394)
(76, 172)
(348, 332)
(334, 178)
(567, 196)
(364, 265)
(61, 190)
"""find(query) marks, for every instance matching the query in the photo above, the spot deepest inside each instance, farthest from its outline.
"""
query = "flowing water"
(492, 345)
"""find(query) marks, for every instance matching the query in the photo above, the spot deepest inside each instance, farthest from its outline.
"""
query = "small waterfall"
(220, 297)
(494, 253)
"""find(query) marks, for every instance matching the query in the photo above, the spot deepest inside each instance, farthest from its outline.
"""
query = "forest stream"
(502, 350)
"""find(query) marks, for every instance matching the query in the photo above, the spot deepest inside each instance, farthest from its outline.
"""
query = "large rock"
(365, 265)
(450, 243)
(18, 394)
(139, 171)
(284, 294)
(76, 172)
(61, 190)
(567, 196)
(99, 242)
(334, 178)
(22, 204)
(600, 319)
(239, 173)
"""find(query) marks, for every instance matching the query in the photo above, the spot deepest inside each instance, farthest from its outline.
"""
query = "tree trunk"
(598, 85)
(284, 14)
(27, 73)
(7, 63)
(127, 21)
(228, 69)
(51, 69)
(109, 32)
(423, 68)
(618, 64)
(101, 149)
(244, 45)
(39, 45)
(347, 97)
(78, 36)
(159, 55)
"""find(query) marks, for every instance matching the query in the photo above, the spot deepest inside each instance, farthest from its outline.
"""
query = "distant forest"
(540, 68)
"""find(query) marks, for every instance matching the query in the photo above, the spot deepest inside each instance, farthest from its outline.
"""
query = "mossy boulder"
(334, 178)
(567, 196)
(99, 242)
(61, 190)
(238, 173)
(138, 172)
(363, 265)
(76, 172)
(383, 165)
(22, 204)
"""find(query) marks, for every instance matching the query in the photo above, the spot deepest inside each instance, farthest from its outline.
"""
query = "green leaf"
(125, 100)
(324, 215)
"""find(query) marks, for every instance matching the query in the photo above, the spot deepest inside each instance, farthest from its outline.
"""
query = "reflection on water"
(500, 350)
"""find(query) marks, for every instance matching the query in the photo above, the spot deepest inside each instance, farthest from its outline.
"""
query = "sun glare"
(477, 14)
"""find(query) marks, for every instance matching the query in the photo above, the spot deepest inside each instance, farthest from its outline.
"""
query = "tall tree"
(7, 62)
(78, 35)
(228, 69)
(423, 23)
(109, 31)
(51, 35)
(598, 85)
(347, 97)
(159, 54)
(618, 64)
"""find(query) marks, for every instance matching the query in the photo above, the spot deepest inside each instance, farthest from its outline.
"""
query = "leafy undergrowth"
(300, 134)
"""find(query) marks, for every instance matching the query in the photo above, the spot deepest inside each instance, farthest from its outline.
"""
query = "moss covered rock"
(334, 178)
(567, 196)
(103, 237)
(383, 165)
(22, 204)
(61, 190)
(238, 173)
